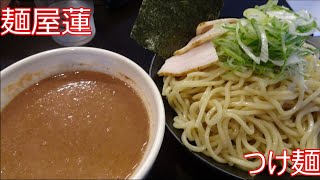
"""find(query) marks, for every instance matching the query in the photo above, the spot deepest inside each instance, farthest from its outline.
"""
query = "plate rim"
(197, 155)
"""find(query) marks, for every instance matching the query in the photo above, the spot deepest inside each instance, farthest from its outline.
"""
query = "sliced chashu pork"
(196, 59)
(206, 26)
(206, 31)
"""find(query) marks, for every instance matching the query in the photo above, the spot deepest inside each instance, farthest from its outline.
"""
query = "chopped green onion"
(269, 40)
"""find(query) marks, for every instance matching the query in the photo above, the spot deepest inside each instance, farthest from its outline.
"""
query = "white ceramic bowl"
(28, 71)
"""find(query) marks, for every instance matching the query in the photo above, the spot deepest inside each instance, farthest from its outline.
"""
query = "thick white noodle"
(226, 114)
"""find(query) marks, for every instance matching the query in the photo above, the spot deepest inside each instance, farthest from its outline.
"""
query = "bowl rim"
(146, 165)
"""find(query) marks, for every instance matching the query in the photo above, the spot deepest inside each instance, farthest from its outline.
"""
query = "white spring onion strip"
(264, 55)
(303, 19)
(244, 47)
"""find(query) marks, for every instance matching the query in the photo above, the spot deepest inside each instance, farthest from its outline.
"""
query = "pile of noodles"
(225, 114)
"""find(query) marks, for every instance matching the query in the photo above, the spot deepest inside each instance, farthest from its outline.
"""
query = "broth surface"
(74, 125)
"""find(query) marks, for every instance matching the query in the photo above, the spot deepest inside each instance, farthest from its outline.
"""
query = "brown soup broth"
(74, 125)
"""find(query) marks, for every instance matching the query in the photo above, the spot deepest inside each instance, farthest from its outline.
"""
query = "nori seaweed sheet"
(164, 26)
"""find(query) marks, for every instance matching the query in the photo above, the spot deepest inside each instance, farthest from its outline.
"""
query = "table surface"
(113, 29)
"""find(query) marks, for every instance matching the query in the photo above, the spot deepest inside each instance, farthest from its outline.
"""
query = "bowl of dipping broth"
(79, 113)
